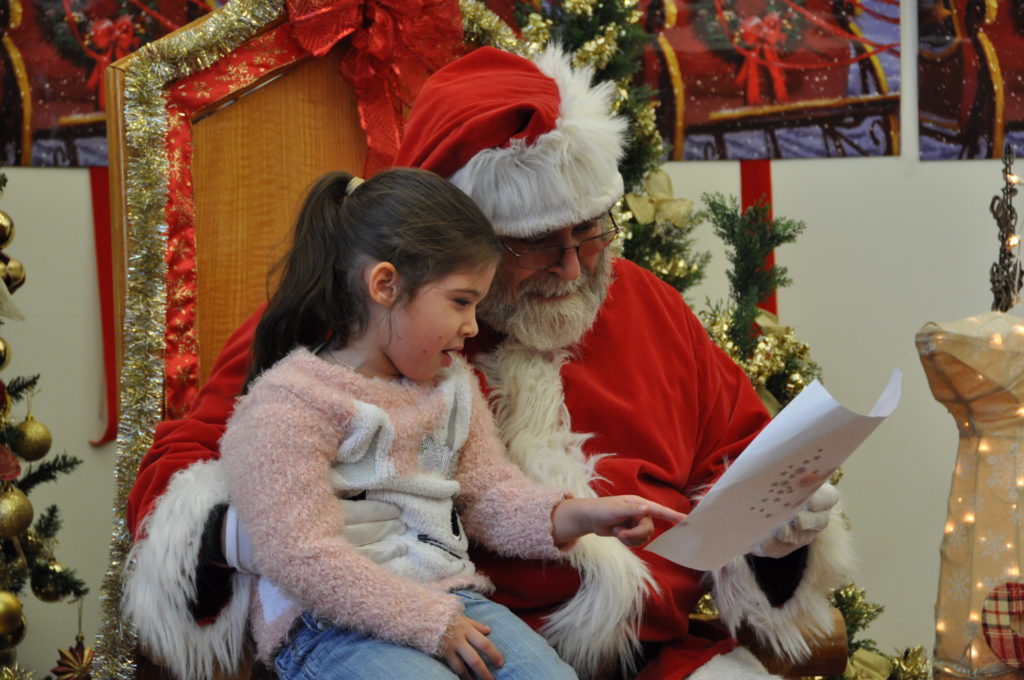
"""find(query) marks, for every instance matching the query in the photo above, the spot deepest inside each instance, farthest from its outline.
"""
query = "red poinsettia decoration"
(74, 663)
(10, 468)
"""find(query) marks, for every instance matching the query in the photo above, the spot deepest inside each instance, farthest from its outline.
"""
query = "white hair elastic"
(352, 184)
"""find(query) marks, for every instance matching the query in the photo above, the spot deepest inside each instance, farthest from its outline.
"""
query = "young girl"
(357, 390)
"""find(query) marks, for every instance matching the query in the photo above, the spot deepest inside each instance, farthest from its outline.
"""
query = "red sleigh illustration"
(759, 68)
(971, 75)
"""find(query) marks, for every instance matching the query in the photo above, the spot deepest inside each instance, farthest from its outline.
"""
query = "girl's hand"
(465, 647)
(627, 518)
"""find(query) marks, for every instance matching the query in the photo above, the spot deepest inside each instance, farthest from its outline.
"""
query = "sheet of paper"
(769, 483)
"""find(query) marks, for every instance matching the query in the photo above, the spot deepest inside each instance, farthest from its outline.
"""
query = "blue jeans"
(316, 649)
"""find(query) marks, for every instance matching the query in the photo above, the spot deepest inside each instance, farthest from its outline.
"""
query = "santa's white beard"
(548, 325)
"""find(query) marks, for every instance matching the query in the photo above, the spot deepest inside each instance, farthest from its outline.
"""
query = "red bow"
(395, 45)
(764, 36)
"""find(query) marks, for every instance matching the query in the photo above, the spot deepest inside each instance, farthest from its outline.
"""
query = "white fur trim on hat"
(567, 175)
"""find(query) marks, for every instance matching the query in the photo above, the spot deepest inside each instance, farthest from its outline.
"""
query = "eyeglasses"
(549, 256)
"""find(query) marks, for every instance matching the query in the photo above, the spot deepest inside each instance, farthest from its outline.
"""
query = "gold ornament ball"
(35, 441)
(44, 583)
(10, 612)
(6, 229)
(14, 638)
(5, 354)
(14, 274)
(15, 512)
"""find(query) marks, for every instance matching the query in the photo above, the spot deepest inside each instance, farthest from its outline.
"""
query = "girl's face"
(436, 322)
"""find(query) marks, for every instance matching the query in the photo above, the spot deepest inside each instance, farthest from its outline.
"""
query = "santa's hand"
(367, 524)
(803, 528)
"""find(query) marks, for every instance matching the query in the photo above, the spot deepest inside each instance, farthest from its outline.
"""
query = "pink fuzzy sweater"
(308, 432)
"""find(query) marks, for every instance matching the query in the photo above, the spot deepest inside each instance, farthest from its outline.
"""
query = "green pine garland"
(667, 250)
(750, 236)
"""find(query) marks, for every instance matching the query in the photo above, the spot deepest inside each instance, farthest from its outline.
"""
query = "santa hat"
(532, 142)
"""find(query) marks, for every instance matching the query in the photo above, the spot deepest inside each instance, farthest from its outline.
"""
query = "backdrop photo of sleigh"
(756, 79)
(971, 78)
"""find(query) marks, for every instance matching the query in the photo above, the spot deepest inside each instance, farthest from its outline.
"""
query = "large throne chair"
(215, 132)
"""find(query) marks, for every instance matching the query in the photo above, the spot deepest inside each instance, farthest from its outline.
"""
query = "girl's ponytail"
(308, 284)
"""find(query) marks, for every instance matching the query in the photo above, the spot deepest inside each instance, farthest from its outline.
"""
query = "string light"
(969, 518)
(940, 626)
(983, 446)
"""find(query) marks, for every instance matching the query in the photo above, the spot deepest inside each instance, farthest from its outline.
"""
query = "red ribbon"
(395, 45)
(765, 36)
(776, 61)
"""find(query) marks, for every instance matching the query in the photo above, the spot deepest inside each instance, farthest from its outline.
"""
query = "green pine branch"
(47, 471)
(48, 523)
(750, 237)
(20, 386)
(667, 250)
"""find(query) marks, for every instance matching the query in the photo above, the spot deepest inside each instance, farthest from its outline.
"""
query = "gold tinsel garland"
(148, 73)
(481, 26)
(15, 672)
(537, 31)
(776, 347)
(598, 51)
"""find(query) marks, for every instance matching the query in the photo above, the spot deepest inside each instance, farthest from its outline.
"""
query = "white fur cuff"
(160, 580)
(806, 614)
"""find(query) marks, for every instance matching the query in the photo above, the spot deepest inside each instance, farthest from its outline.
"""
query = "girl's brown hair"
(422, 224)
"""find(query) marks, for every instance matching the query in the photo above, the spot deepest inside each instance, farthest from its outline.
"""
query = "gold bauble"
(10, 612)
(6, 230)
(14, 274)
(44, 583)
(5, 354)
(15, 512)
(35, 440)
(14, 638)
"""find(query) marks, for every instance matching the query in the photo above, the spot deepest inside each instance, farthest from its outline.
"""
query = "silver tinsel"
(148, 74)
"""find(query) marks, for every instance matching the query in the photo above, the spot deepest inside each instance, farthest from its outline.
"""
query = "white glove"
(367, 524)
(802, 529)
